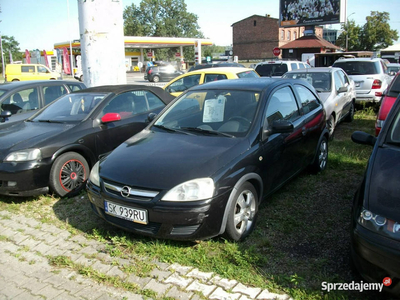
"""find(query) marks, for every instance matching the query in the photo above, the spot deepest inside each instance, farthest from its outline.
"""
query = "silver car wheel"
(245, 209)
(323, 154)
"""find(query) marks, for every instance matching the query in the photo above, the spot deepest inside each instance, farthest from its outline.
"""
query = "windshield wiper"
(207, 131)
(50, 121)
(170, 129)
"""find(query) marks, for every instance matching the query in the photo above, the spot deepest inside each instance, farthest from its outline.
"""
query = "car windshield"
(211, 112)
(272, 69)
(394, 89)
(358, 67)
(319, 80)
(70, 108)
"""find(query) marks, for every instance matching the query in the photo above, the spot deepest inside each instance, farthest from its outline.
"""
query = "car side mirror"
(343, 89)
(151, 117)
(110, 117)
(5, 115)
(278, 126)
(363, 138)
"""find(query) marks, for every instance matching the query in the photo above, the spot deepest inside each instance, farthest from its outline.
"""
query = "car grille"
(184, 230)
(134, 193)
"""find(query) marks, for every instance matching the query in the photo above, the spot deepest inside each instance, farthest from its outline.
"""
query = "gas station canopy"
(143, 42)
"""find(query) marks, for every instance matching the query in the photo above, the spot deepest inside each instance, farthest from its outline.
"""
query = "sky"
(39, 24)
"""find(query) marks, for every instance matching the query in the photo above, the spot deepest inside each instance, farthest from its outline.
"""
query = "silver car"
(369, 74)
(336, 90)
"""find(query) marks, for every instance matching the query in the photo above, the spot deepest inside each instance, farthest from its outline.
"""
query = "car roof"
(122, 88)
(393, 65)
(219, 70)
(315, 70)
(28, 83)
(359, 59)
(249, 84)
(279, 62)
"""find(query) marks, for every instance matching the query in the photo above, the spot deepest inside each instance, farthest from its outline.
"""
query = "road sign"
(276, 51)
(149, 54)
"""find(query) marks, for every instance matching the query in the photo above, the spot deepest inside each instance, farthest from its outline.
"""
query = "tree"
(11, 45)
(352, 32)
(168, 18)
(374, 35)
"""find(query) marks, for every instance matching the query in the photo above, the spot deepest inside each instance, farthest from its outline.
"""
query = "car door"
(133, 108)
(348, 95)
(313, 122)
(281, 153)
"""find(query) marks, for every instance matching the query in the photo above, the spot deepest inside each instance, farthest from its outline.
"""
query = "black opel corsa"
(201, 168)
(375, 230)
(56, 147)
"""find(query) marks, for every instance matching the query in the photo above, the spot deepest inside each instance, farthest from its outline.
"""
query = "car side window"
(184, 83)
(74, 87)
(42, 69)
(338, 81)
(214, 77)
(308, 100)
(52, 92)
(344, 78)
(21, 101)
(28, 69)
(132, 103)
(281, 106)
(294, 66)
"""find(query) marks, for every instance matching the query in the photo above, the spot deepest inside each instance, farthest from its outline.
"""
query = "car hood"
(324, 96)
(383, 189)
(24, 135)
(162, 160)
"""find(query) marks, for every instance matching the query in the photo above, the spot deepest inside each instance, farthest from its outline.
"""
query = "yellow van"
(21, 72)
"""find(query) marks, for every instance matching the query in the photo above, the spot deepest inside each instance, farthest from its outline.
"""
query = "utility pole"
(102, 42)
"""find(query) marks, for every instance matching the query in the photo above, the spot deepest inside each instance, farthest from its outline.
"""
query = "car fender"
(81, 149)
(244, 178)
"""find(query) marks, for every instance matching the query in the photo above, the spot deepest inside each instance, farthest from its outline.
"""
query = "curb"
(28, 250)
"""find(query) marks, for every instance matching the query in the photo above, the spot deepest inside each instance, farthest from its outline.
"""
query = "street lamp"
(347, 31)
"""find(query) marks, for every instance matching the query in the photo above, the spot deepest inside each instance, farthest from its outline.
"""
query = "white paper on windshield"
(214, 109)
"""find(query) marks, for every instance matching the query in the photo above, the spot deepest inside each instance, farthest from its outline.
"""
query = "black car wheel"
(330, 124)
(321, 158)
(243, 213)
(350, 115)
(68, 174)
(156, 78)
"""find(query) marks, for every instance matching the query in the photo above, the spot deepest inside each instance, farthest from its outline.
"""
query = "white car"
(276, 68)
(336, 90)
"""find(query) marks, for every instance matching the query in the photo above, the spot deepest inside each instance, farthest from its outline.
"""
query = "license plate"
(127, 213)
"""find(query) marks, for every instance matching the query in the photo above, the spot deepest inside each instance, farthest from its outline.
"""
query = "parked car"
(277, 68)
(388, 99)
(215, 65)
(182, 83)
(161, 73)
(20, 72)
(369, 74)
(202, 167)
(393, 68)
(336, 90)
(20, 100)
(375, 230)
(57, 146)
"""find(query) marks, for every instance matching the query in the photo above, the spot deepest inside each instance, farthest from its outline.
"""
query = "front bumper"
(170, 220)
(25, 178)
(376, 257)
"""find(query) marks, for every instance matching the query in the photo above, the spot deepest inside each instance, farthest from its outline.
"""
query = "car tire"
(15, 80)
(330, 125)
(350, 115)
(68, 174)
(321, 156)
(156, 78)
(242, 213)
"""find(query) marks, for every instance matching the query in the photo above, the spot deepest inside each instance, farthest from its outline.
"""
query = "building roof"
(253, 16)
(395, 47)
(310, 41)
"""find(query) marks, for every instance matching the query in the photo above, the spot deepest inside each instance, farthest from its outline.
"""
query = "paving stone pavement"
(27, 246)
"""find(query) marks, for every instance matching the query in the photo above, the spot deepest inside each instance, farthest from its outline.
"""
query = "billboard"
(310, 12)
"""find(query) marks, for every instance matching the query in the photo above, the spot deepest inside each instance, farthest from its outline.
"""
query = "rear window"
(271, 69)
(248, 74)
(358, 67)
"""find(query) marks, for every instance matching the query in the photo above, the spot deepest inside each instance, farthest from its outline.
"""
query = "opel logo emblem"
(125, 191)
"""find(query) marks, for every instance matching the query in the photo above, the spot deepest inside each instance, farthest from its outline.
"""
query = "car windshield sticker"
(214, 109)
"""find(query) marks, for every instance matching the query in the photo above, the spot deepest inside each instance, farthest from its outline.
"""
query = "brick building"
(255, 37)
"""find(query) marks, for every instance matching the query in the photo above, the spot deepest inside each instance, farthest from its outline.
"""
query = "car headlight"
(193, 190)
(94, 177)
(24, 155)
(379, 224)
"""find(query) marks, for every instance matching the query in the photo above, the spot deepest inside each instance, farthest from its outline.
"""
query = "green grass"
(301, 238)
